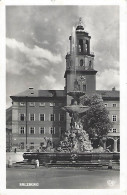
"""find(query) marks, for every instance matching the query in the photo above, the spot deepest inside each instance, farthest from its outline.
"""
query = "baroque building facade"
(37, 115)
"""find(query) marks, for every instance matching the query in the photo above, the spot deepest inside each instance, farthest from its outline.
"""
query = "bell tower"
(80, 74)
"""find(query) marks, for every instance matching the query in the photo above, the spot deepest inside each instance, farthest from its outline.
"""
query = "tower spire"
(80, 24)
(80, 21)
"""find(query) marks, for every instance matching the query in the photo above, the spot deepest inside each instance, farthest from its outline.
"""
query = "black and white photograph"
(63, 96)
(63, 104)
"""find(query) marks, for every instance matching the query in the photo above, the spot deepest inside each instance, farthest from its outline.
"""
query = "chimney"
(113, 89)
(31, 90)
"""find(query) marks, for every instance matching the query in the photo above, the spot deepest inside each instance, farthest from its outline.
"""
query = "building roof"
(108, 94)
(40, 93)
(61, 93)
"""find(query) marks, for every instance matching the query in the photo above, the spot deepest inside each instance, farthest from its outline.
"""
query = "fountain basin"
(45, 157)
(76, 108)
(76, 94)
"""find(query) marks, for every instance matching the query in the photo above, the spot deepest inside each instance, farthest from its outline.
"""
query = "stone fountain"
(75, 139)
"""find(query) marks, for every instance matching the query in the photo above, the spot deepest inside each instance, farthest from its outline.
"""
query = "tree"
(96, 120)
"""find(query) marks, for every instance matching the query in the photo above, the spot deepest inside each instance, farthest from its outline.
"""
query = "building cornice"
(86, 72)
(27, 98)
(111, 98)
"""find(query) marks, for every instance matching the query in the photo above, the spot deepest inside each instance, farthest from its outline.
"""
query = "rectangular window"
(52, 117)
(52, 130)
(42, 117)
(22, 117)
(61, 117)
(31, 145)
(114, 105)
(52, 104)
(32, 130)
(22, 103)
(114, 130)
(42, 130)
(22, 130)
(32, 117)
(114, 118)
(42, 104)
(31, 104)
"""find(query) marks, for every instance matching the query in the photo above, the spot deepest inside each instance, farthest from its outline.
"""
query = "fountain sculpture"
(75, 139)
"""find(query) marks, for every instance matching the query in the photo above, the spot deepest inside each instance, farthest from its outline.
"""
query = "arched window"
(86, 46)
(81, 62)
(80, 45)
(79, 48)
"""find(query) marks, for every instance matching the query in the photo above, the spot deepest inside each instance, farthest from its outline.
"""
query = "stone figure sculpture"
(76, 139)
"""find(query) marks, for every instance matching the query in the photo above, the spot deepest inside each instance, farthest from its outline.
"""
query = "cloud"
(108, 79)
(13, 66)
(35, 52)
(46, 19)
(45, 42)
(50, 79)
(50, 82)
(105, 60)
(59, 29)
(28, 58)
(18, 64)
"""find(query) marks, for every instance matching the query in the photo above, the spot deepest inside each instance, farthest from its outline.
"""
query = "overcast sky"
(37, 42)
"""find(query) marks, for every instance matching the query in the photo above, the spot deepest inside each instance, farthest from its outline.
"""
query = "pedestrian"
(36, 163)
(15, 150)
(9, 162)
